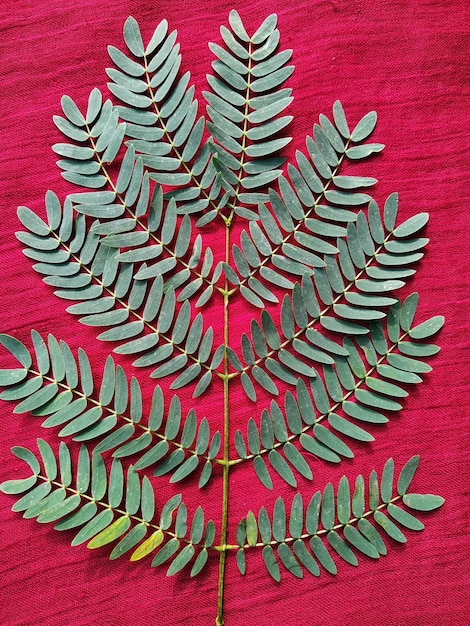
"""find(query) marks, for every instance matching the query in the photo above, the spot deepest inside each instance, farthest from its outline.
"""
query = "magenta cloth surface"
(409, 62)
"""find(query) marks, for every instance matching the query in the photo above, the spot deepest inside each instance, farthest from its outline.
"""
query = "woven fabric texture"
(409, 62)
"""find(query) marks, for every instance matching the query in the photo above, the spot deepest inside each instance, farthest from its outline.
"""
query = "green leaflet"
(46, 504)
(406, 475)
(18, 486)
(360, 542)
(62, 509)
(426, 502)
(148, 546)
(17, 349)
(27, 456)
(128, 542)
(389, 527)
(109, 534)
(32, 497)
(93, 527)
(404, 518)
(324, 366)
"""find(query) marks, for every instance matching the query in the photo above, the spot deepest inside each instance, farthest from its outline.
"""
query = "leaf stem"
(226, 465)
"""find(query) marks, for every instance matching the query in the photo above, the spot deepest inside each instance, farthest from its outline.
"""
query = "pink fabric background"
(409, 62)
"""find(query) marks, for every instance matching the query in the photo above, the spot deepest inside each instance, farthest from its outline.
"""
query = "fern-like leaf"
(299, 539)
(334, 354)
(350, 393)
(109, 291)
(119, 507)
(64, 392)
